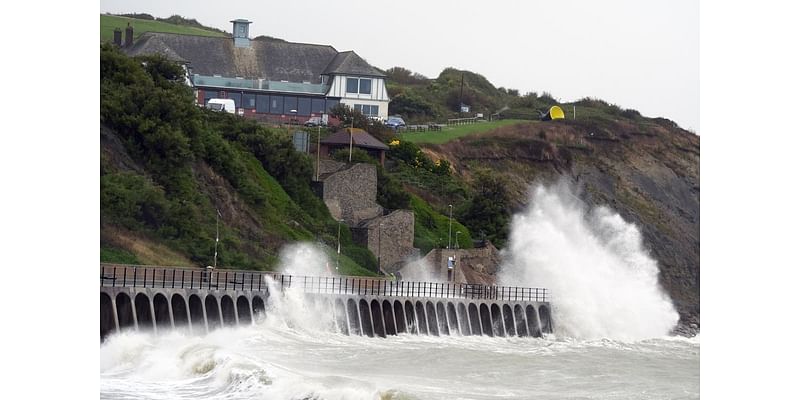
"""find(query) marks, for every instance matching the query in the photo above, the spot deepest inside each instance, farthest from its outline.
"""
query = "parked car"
(395, 122)
(225, 105)
(313, 121)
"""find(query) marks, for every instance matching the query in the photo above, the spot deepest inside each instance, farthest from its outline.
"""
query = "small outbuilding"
(356, 137)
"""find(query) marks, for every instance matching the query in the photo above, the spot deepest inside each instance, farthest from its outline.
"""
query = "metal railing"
(117, 275)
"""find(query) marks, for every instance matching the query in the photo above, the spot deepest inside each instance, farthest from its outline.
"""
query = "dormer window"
(359, 85)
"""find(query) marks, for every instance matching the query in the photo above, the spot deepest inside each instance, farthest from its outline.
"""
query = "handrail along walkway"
(124, 275)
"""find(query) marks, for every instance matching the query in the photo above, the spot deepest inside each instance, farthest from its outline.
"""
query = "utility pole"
(351, 144)
(461, 96)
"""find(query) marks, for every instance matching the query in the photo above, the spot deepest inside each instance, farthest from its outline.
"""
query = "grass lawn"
(454, 132)
(109, 22)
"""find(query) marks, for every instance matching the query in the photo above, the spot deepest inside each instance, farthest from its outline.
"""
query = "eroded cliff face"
(648, 172)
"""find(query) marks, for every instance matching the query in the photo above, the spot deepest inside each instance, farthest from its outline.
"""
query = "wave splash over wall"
(602, 281)
(292, 308)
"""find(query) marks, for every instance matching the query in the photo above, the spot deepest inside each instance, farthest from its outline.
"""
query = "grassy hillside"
(454, 132)
(109, 22)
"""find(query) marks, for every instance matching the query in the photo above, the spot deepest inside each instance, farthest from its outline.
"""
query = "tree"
(488, 210)
(349, 116)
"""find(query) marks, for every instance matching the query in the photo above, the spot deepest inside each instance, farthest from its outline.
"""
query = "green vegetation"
(196, 162)
(454, 132)
(115, 255)
(412, 167)
(109, 22)
(423, 100)
(488, 211)
(431, 228)
(347, 265)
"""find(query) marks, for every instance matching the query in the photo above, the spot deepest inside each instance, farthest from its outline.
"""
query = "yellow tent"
(555, 112)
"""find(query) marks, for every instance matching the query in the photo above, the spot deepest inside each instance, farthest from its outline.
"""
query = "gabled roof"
(348, 62)
(360, 139)
(266, 58)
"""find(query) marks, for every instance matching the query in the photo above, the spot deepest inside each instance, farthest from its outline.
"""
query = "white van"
(226, 105)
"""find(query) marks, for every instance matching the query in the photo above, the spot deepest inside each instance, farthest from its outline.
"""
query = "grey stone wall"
(327, 166)
(390, 238)
(349, 191)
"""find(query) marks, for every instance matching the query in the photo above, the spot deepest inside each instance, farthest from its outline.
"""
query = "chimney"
(129, 35)
(118, 37)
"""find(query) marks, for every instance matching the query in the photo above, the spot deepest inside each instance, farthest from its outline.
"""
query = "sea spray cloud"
(305, 259)
(291, 308)
(418, 269)
(603, 282)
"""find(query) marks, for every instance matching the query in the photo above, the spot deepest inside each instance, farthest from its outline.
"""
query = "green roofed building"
(271, 79)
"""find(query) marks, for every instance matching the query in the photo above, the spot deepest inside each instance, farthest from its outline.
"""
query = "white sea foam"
(602, 281)
(267, 362)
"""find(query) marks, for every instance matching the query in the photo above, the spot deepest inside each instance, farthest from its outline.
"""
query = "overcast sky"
(636, 54)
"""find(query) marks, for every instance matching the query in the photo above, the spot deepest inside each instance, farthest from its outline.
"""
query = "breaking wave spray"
(292, 308)
(602, 281)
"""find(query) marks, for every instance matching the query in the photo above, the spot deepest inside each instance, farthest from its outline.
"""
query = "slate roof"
(267, 58)
(348, 62)
(360, 139)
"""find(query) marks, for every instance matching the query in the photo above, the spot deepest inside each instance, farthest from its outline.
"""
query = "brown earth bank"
(648, 172)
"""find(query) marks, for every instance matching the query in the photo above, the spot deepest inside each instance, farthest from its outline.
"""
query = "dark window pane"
(374, 110)
(208, 95)
(303, 106)
(262, 103)
(352, 85)
(275, 104)
(330, 104)
(289, 104)
(248, 101)
(366, 86)
(237, 98)
(357, 107)
(318, 106)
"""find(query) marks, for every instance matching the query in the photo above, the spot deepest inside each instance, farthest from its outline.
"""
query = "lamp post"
(450, 225)
(319, 132)
(338, 242)
(216, 241)
(293, 114)
(380, 230)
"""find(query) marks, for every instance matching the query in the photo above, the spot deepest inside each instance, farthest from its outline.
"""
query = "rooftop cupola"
(241, 32)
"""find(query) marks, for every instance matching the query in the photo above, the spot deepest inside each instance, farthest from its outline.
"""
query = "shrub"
(488, 210)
